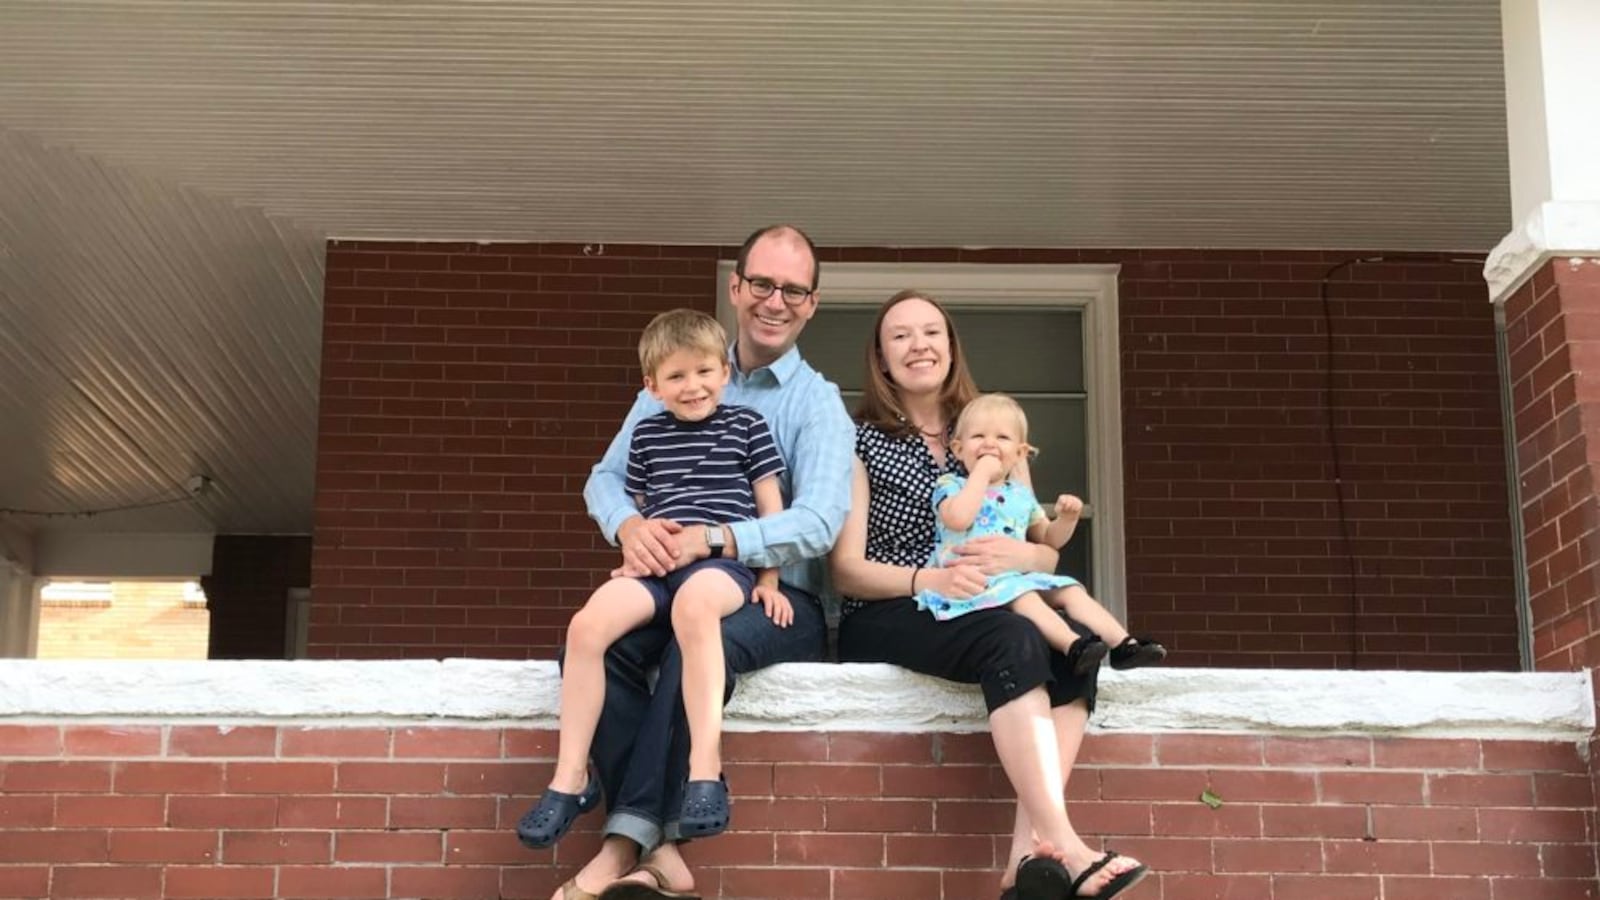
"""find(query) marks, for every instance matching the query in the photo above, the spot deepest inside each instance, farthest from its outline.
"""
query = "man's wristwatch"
(715, 540)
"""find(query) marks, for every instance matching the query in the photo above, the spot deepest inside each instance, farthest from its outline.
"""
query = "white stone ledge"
(1555, 706)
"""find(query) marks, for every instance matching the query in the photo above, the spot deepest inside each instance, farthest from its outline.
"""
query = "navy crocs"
(555, 812)
(706, 808)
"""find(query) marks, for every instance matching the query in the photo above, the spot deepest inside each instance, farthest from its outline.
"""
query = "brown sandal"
(633, 890)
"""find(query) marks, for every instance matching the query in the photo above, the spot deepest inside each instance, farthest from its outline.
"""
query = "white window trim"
(1090, 288)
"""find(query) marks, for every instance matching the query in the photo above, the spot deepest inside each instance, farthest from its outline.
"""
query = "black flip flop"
(1043, 878)
(1113, 887)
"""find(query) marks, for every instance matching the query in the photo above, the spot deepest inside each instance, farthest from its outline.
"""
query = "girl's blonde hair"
(680, 329)
(1000, 404)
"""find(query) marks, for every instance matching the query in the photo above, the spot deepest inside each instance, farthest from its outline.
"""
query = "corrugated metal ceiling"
(1115, 123)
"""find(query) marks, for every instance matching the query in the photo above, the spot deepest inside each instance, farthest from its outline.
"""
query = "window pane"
(1076, 560)
(1058, 426)
(835, 344)
(1021, 349)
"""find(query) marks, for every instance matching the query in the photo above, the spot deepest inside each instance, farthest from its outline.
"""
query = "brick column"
(1546, 272)
(1553, 336)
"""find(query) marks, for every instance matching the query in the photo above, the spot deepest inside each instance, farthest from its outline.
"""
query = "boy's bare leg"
(616, 608)
(1087, 611)
(697, 613)
(1057, 633)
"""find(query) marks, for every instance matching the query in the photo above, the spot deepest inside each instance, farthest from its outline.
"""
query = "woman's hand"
(956, 582)
(995, 554)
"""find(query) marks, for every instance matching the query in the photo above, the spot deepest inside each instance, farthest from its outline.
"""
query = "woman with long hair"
(917, 381)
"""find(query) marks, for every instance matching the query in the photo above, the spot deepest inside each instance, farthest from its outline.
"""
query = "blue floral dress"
(1008, 509)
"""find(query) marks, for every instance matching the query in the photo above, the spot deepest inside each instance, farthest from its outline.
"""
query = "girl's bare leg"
(1057, 633)
(1087, 611)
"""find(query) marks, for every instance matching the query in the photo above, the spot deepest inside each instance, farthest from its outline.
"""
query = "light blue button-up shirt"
(816, 438)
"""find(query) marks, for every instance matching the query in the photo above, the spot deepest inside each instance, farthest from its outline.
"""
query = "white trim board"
(1541, 706)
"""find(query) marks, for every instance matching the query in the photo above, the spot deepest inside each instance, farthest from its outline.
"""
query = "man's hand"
(650, 546)
(778, 608)
(691, 545)
(995, 553)
(626, 570)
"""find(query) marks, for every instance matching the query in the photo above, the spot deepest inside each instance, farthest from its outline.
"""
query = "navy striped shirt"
(701, 472)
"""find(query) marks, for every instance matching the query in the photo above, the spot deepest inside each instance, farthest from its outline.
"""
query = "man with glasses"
(641, 747)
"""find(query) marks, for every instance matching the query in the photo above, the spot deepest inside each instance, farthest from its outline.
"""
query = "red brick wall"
(467, 389)
(1233, 528)
(191, 811)
(1553, 333)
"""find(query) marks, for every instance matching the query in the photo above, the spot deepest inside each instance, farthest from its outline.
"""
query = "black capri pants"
(997, 649)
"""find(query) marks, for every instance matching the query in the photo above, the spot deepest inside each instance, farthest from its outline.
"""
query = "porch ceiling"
(170, 168)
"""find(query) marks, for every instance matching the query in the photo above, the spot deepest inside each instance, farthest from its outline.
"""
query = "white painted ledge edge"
(1552, 229)
(1554, 706)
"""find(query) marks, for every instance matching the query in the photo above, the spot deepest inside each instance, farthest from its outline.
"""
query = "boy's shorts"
(663, 588)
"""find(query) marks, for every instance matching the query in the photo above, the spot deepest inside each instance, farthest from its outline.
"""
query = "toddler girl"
(991, 439)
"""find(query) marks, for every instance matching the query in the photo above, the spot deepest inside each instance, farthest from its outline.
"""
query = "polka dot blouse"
(901, 471)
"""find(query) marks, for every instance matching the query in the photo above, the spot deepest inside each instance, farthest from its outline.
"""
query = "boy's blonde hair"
(996, 403)
(680, 329)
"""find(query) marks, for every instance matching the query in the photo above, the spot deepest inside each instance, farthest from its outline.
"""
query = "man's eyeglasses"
(762, 289)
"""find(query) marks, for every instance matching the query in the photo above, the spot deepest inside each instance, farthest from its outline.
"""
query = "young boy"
(696, 463)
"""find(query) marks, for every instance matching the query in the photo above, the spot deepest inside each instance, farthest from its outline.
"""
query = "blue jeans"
(641, 747)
